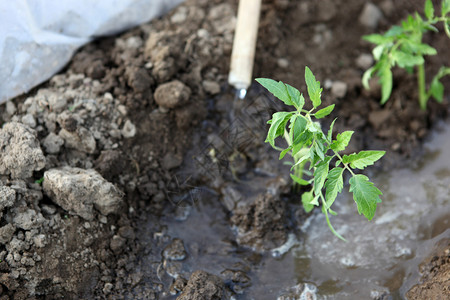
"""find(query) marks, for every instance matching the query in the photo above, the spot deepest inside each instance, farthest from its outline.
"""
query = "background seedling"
(309, 145)
(402, 46)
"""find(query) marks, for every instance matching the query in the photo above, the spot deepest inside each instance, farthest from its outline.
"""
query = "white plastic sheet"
(38, 37)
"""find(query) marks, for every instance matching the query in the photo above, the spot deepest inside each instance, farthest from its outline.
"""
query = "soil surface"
(435, 270)
(93, 160)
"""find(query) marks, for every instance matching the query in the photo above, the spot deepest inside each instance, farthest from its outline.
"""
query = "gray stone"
(364, 61)
(172, 94)
(20, 152)
(56, 103)
(10, 108)
(283, 63)
(117, 244)
(388, 7)
(52, 143)
(175, 250)
(128, 130)
(180, 15)
(134, 42)
(29, 120)
(370, 15)
(339, 89)
(27, 218)
(80, 139)
(40, 240)
(211, 87)
(6, 233)
(79, 191)
(7, 197)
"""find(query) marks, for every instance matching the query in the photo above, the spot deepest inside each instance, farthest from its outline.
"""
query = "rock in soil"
(172, 94)
(7, 197)
(80, 139)
(370, 15)
(203, 286)
(20, 151)
(78, 191)
(261, 224)
(175, 250)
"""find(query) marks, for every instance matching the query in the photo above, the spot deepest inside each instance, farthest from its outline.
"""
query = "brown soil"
(435, 270)
(109, 111)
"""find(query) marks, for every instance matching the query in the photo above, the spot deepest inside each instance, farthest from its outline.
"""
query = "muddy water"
(383, 254)
(380, 257)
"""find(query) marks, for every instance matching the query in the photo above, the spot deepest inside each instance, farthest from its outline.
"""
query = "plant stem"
(423, 97)
(324, 209)
(342, 161)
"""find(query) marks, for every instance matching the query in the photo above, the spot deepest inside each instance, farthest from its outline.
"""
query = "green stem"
(423, 97)
(325, 210)
(344, 164)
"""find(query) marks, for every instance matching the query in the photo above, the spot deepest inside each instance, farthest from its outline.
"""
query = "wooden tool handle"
(243, 54)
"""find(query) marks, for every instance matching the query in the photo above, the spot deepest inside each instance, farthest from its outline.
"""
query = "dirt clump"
(172, 94)
(20, 152)
(78, 191)
(435, 270)
(261, 224)
(203, 286)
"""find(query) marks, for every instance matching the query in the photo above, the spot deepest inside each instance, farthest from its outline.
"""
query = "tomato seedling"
(402, 46)
(309, 145)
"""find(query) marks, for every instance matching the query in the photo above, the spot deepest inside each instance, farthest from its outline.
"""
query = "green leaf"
(324, 112)
(445, 7)
(307, 198)
(299, 128)
(304, 154)
(394, 31)
(378, 51)
(342, 140)
(437, 90)
(377, 39)
(362, 159)
(302, 141)
(283, 153)
(334, 185)
(366, 77)
(278, 121)
(314, 90)
(296, 98)
(299, 180)
(407, 60)
(365, 194)
(332, 212)
(425, 49)
(320, 174)
(429, 10)
(330, 132)
(386, 83)
(278, 89)
(317, 152)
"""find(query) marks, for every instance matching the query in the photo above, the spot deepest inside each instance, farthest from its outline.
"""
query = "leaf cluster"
(307, 143)
(402, 46)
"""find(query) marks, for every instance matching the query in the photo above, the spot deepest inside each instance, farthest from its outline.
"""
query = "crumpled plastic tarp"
(38, 37)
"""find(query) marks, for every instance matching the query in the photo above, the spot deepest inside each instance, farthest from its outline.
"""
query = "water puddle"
(381, 256)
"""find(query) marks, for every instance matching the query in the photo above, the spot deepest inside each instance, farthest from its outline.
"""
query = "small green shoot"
(308, 144)
(402, 46)
(40, 180)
